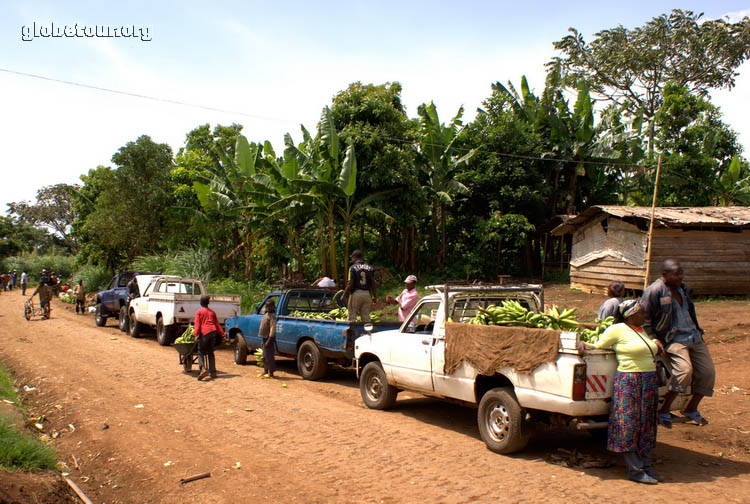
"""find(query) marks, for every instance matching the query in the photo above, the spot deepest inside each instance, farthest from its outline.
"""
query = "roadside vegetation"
(19, 449)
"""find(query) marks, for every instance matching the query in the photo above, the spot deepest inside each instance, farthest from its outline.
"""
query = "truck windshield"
(309, 301)
(422, 321)
(179, 288)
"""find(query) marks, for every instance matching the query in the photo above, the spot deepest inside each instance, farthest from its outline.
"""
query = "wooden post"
(651, 225)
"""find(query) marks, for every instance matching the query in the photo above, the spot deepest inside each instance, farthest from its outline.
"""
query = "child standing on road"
(267, 331)
(80, 298)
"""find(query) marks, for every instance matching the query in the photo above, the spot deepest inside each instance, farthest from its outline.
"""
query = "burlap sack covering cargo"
(491, 348)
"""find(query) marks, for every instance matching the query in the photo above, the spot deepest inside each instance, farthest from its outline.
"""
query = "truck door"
(411, 358)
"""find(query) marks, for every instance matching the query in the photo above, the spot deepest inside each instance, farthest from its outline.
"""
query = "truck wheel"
(100, 318)
(501, 421)
(310, 363)
(374, 387)
(240, 350)
(135, 328)
(164, 334)
(124, 320)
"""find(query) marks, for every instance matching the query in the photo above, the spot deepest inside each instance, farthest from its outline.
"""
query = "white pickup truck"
(169, 304)
(572, 390)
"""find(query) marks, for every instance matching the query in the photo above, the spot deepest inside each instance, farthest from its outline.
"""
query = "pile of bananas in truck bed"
(339, 314)
(511, 313)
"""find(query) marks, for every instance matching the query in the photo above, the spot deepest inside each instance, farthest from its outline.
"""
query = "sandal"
(665, 420)
(695, 416)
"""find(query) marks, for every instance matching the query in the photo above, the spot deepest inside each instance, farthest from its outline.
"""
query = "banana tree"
(732, 187)
(439, 157)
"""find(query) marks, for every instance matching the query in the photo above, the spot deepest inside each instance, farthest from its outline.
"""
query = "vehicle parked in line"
(315, 343)
(110, 301)
(574, 390)
(169, 303)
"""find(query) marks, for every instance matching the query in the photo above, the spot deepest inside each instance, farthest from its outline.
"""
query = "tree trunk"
(300, 268)
(332, 245)
(412, 252)
(322, 248)
(362, 238)
(443, 238)
(347, 232)
(572, 187)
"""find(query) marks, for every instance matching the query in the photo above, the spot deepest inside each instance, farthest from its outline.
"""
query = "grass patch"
(19, 450)
(7, 388)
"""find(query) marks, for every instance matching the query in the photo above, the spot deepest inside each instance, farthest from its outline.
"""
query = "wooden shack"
(610, 243)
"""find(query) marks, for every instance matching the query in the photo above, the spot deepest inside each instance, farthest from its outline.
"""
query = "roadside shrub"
(252, 292)
(7, 389)
(93, 277)
(33, 263)
(191, 262)
(19, 450)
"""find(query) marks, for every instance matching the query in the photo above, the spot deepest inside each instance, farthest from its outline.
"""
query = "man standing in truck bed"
(360, 285)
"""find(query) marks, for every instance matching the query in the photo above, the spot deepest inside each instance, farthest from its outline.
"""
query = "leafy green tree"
(130, 210)
(440, 157)
(697, 149)
(53, 210)
(374, 118)
(632, 67)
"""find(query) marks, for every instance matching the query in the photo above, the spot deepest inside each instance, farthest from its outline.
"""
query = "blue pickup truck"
(315, 343)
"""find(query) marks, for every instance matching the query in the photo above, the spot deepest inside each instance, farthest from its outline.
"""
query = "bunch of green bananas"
(511, 313)
(508, 313)
(187, 336)
(561, 320)
(259, 357)
(592, 335)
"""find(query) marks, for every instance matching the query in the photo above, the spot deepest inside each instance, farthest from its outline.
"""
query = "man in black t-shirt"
(361, 288)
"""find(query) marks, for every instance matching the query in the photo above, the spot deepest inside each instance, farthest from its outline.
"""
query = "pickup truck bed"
(314, 342)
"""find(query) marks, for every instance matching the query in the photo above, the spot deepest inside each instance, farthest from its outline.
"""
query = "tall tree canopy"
(632, 67)
(53, 210)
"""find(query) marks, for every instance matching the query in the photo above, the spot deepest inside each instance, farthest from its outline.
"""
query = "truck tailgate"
(601, 366)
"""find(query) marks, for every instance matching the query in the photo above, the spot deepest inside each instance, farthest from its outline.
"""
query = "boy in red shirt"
(208, 333)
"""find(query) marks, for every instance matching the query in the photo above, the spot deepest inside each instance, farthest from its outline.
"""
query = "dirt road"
(315, 441)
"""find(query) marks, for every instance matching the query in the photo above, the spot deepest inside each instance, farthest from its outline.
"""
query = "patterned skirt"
(632, 417)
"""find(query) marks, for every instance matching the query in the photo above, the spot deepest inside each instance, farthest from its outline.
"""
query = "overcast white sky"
(274, 65)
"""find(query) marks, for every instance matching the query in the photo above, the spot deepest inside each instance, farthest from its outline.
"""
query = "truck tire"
(501, 421)
(124, 320)
(135, 328)
(310, 362)
(374, 387)
(164, 333)
(240, 350)
(99, 318)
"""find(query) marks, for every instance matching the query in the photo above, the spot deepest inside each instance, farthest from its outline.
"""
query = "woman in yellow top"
(635, 392)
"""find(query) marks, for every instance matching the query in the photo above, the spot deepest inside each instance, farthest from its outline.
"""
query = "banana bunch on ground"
(259, 357)
(187, 337)
(592, 335)
(511, 313)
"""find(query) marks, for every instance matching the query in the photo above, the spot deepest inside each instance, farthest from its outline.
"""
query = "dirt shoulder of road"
(129, 425)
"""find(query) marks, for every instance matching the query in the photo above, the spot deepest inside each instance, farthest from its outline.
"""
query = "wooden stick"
(196, 477)
(78, 491)
(651, 225)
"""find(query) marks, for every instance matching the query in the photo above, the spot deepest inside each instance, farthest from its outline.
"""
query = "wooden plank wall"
(596, 275)
(714, 262)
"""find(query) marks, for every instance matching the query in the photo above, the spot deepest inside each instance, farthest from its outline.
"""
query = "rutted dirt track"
(316, 442)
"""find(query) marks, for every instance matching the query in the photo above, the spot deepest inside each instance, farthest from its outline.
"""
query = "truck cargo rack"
(446, 289)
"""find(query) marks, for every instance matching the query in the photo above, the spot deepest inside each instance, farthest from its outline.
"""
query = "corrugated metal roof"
(672, 217)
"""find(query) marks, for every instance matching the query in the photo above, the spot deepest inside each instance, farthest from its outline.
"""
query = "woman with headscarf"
(635, 391)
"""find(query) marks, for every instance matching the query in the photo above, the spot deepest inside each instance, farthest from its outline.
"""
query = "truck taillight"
(579, 382)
